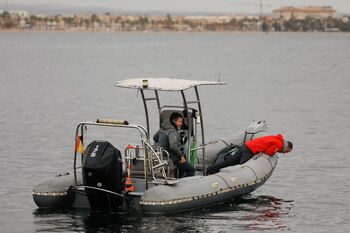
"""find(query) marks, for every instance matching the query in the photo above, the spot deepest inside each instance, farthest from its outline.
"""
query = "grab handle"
(111, 121)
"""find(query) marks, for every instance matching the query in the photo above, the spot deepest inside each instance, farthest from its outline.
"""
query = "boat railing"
(156, 165)
(81, 128)
(159, 164)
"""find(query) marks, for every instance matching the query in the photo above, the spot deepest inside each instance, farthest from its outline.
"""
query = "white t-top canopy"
(163, 84)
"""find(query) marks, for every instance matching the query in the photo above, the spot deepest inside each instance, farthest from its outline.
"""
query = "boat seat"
(165, 116)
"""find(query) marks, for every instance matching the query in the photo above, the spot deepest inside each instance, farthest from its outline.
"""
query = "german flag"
(79, 147)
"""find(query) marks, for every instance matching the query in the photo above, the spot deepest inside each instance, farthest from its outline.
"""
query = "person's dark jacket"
(169, 138)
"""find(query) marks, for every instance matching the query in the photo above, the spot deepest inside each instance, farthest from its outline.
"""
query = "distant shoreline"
(187, 24)
(171, 32)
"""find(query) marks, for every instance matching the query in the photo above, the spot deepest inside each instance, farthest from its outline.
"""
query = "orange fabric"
(267, 144)
(79, 147)
(128, 185)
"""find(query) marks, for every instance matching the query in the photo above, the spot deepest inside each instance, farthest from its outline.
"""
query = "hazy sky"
(250, 6)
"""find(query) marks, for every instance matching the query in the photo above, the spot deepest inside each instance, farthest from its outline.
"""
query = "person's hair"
(174, 116)
(290, 145)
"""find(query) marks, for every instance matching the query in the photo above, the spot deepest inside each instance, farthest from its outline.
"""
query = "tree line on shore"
(108, 22)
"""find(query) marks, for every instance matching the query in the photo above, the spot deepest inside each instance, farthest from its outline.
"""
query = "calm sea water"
(299, 83)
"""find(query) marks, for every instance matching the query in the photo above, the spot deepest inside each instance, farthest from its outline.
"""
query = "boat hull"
(199, 191)
(188, 193)
(54, 201)
(55, 192)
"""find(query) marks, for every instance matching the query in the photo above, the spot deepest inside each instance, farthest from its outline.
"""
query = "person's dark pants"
(185, 169)
(242, 155)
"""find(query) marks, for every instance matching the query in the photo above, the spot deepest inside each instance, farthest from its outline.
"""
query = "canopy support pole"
(202, 127)
(201, 122)
(188, 121)
(146, 111)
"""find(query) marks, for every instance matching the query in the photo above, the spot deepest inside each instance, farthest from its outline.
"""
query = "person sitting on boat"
(169, 138)
(269, 145)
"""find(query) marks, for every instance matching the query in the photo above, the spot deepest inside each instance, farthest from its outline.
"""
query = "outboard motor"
(102, 169)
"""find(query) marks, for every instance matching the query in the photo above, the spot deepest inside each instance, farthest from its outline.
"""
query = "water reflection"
(246, 213)
(58, 220)
(268, 213)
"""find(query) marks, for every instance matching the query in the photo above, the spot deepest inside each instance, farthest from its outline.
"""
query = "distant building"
(301, 13)
(209, 19)
(16, 13)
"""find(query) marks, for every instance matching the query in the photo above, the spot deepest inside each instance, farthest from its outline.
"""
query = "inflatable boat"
(141, 177)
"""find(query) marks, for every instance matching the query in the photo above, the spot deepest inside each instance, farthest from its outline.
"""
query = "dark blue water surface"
(298, 82)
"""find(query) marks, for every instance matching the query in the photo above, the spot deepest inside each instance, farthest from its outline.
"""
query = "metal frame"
(145, 133)
(185, 106)
(144, 139)
(144, 99)
(169, 84)
(149, 161)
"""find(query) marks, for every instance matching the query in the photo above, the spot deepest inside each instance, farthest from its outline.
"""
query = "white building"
(17, 13)
(301, 13)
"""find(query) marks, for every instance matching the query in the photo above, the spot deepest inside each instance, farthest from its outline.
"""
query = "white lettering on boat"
(93, 154)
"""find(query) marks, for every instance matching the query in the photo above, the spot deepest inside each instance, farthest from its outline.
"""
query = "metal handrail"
(161, 163)
(141, 129)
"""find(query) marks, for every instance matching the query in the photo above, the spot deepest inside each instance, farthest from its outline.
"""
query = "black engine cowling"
(102, 169)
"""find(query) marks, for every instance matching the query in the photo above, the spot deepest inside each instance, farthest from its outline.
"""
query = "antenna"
(259, 4)
(219, 77)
